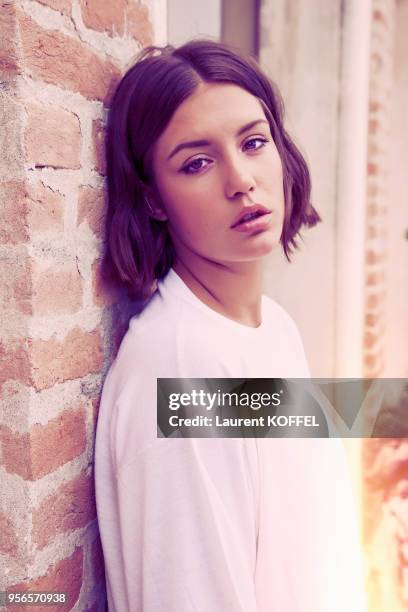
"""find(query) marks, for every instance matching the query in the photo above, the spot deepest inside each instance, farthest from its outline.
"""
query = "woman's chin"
(255, 253)
(263, 246)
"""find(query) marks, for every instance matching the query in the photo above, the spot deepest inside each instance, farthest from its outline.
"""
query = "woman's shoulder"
(150, 337)
(168, 340)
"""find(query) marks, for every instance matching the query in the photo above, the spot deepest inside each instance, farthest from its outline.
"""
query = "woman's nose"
(238, 178)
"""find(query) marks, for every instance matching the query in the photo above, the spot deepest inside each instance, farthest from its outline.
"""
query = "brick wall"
(378, 153)
(385, 460)
(59, 62)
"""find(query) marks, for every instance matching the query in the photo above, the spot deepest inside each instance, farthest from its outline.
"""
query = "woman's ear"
(155, 209)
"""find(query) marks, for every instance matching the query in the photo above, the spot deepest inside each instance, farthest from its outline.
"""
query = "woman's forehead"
(211, 108)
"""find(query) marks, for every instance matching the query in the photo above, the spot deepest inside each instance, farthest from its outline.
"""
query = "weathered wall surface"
(300, 50)
(59, 62)
(330, 59)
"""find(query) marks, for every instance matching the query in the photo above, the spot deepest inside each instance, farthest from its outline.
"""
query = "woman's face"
(215, 160)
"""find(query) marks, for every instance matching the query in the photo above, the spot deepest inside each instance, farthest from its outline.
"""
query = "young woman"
(203, 182)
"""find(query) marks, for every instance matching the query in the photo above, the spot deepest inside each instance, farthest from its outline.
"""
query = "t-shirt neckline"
(175, 284)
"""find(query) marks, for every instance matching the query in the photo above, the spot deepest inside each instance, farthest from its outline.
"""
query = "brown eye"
(192, 167)
(263, 142)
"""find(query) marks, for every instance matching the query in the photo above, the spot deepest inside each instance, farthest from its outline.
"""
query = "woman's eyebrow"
(192, 144)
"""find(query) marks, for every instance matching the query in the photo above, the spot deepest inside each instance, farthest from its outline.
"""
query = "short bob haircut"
(138, 248)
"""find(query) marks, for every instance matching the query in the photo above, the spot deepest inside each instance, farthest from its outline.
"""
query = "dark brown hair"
(138, 248)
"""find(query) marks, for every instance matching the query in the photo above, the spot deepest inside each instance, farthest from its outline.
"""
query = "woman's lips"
(259, 223)
(257, 209)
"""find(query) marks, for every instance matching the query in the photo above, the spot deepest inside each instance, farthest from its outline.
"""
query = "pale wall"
(300, 50)
(397, 265)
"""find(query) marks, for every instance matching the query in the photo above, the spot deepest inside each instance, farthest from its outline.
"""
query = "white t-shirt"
(217, 524)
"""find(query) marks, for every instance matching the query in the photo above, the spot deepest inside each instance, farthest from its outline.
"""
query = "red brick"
(371, 232)
(375, 106)
(138, 24)
(16, 453)
(373, 258)
(104, 16)
(72, 506)
(372, 169)
(8, 41)
(44, 448)
(98, 141)
(45, 209)
(379, 16)
(78, 354)
(14, 363)
(53, 57)
(372, 150)
(373, 191)
(372, 319)
(375, 278)
(370, 340)
(52, 137)
(62, 6)
(59, 441)
(375, 300)
(91, 208)
(373, 126)
(8, 538)
(376, 62)
(373, 210)
(376, 232)
(63, 577)
(67, 289)
(372, 360)
(15, 281)
(378, 369)
(28, 209)
(13, 212)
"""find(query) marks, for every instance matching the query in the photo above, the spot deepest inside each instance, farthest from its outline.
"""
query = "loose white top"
(216, 524)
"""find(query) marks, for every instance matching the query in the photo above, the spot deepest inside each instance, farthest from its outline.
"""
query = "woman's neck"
(232, 289)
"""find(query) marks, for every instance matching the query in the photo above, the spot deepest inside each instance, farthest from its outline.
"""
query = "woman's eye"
(194, 167)
(263, 142)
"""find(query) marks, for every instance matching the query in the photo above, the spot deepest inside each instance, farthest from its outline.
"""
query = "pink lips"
(259, 223)
(248, 210)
